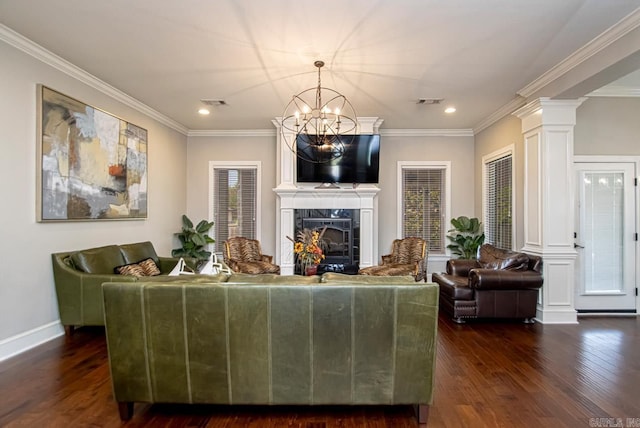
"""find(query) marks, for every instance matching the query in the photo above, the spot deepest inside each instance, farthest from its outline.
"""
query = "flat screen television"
(359, 163)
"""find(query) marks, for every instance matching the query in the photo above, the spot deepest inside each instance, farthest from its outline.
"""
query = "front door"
(605, 237)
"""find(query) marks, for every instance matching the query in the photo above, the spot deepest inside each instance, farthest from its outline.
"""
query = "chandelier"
(318, 122)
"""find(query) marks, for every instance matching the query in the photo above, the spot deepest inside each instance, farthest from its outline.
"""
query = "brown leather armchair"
(499, 284)
(245, 255)
(408, 257)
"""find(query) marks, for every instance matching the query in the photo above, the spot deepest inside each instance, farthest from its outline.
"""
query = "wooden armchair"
(245, 255)
(408, 257)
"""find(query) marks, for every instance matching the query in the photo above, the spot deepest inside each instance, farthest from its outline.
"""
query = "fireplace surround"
(292, 196)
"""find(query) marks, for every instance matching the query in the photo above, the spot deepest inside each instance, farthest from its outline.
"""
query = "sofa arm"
(497, 279)
(266, 258)
(79, 294)
(461, 267)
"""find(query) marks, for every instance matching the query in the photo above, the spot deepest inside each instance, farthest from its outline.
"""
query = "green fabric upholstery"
(272, 343)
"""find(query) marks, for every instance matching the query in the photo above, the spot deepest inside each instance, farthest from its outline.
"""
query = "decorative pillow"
(150, 267)
(133, 269)
(146, 267)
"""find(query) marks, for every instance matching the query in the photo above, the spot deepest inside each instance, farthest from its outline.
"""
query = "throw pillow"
(133, 269)
(149, 267)
(146, 267)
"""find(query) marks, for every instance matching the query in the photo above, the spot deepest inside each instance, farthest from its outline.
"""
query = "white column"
(547, 126)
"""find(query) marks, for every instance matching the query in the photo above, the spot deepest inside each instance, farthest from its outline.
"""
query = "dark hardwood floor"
(489, 374)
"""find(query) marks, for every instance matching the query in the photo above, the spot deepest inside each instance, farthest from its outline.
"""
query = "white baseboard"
(564, 316)
(24, 341)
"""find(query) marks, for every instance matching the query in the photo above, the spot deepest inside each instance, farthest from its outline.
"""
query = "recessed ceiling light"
(204, 111)
(450, 110)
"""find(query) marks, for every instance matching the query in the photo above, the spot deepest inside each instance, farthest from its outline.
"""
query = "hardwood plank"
(488, 374)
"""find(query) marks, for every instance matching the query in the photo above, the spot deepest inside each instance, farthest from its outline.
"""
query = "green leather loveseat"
(269, 339)
(78, 277)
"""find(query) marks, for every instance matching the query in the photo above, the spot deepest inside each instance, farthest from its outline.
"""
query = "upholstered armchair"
(499, 284)
(408, 257)
(245, 255)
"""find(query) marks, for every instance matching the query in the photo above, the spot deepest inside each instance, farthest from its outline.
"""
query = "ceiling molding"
(426, 132)
(615, 91)
(503, 111)
(232, 133)
(20, 42)
(617, 31)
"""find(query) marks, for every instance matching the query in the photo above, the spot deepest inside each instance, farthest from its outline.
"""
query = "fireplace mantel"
(292, 196)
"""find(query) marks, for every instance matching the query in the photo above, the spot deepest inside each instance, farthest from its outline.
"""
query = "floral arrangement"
(308, 247)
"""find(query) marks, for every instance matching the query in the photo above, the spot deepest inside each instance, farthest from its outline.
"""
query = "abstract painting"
(92, 165)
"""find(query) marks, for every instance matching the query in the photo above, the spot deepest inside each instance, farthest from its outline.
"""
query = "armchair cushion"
(245, 255)
(490, 257)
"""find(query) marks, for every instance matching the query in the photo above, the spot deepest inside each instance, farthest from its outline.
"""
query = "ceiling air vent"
(427, 101)
(213, 102)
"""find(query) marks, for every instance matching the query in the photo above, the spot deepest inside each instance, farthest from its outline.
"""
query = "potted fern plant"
(194, 240)
(466, 236)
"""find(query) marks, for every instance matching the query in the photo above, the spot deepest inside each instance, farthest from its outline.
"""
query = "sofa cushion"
(98, 260)
(490, 257)
(341, 278)
(268, 278)
(134, 253)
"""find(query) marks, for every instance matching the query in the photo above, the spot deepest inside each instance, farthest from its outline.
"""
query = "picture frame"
(92, 165)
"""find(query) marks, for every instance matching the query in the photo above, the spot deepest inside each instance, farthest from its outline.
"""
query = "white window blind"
(498, 202)
(423, 191)
(234, 203)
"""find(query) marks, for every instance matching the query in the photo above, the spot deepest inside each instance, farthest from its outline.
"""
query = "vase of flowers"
(308, 250)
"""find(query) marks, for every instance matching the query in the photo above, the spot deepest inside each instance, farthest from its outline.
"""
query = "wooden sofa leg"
(68, 330)
(422, 413)
(125, 408)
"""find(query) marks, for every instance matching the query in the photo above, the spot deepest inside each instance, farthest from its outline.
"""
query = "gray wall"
(457, 150)
(608, 126)
(28, 307)
(505, 132)
(202, 150)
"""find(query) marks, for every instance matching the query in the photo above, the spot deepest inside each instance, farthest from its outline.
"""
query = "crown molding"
(609, 36)
(232, 133)
(503, 111)
(427, 132)
(20, 42)
(615, 91)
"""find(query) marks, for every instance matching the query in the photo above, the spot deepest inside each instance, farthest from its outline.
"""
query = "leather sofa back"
(271, 343)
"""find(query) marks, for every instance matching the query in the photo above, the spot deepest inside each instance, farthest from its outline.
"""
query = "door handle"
(577, 246)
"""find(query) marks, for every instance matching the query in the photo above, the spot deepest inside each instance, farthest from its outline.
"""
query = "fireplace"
(341, 237)
(360, 199)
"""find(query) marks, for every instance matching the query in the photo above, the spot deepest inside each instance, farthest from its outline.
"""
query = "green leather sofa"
(277, 340)
(78, 277)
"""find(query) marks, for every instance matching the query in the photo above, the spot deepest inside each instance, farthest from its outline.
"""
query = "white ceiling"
(383, 55)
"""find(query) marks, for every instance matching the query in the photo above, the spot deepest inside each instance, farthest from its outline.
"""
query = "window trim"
(501, 153)
(257, 165)
(446, 166)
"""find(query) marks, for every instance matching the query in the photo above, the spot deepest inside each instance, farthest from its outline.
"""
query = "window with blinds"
(234, 203)
(498, 204)
(423, 191)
